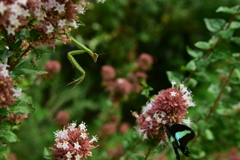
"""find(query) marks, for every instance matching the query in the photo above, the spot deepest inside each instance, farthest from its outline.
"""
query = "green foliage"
(26, 66)
(190, 43)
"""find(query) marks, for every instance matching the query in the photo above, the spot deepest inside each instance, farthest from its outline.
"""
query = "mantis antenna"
(73, 61)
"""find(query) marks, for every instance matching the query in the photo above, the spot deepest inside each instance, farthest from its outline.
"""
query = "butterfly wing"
(183, 134)
(170, 134)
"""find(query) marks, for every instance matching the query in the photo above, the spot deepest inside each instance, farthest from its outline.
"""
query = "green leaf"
(199, 155)
(225, 34)
(214, 89)
(234, 25)
(202, 64)
(37, 52)
(8, 136)
(221, 53)
(4, 112)
(191, 65)
(202, 76)
(231, 10)
(236, 76)
(214, 25)
(173, 76)
(136, 156)
(5, 53)
(17, 44)
(191, 83)
(235, 64)
(235, 40)
(194, 53)
(26, 66)
(146, 91)
(209, 134)
(47, 154)
(21, 107)
(34, 34)
(203, 45)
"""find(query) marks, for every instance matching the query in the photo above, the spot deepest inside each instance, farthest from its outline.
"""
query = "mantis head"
(95, 56)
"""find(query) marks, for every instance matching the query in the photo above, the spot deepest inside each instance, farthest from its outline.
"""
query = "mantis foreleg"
(75, 63)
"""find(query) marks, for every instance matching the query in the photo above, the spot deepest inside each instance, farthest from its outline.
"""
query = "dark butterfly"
(179, 135)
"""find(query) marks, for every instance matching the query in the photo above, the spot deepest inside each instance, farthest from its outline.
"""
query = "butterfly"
(179, 135)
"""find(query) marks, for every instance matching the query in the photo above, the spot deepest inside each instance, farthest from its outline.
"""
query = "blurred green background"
(119, 31)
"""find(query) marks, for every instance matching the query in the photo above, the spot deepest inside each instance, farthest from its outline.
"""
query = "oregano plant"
(195, 118)
(25, 26)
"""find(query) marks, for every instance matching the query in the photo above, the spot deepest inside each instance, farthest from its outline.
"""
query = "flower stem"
(213, 108)
(212, 48)
(17, 61)
(148, 153)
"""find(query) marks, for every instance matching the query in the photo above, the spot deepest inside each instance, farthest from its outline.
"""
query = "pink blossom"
(144, 61)
(7, 96)
(62, 118)
(108, 72)
(17, 118)
(168, 107)
(52, 67)
(73, 142)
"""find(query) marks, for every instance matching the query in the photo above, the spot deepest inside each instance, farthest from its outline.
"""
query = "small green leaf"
(191, 65)
(209, 134)
(236, 77)
(8, 136)
(235, 64)
(4, 112)
(202, 76)
(146, 91)
(37, 52)
(47, 154)
(194, 53)
(21, 107)
(34, 34)
(236, 55)
(234, 25)
(136, 156)
(231, 10)
(214, 89)
(17, 44)
(199, 155)
(203, 45)
(202, 64)
(225, 34)
(173, 76)
(191, 83)
(221, 53)
(214, 25)
(26, 66)
(5, 53)
(235, 40)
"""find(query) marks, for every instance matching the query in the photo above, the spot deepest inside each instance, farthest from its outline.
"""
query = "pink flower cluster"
(73, 143)
(168, 107)
(48, 17)
(121, 88)
(62, 118)
(112, 126)
(8, 94)
(17, 118)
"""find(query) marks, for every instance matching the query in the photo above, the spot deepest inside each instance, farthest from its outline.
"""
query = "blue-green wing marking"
(172, 139)
(181, 134)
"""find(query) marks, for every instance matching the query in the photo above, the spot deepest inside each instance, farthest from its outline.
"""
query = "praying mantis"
(75, 63)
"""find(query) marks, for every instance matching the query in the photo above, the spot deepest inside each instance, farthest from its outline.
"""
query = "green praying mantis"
(75, 63)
